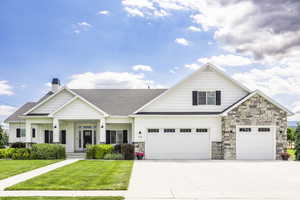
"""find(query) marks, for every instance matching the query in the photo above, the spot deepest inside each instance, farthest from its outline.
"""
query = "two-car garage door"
(255, 142)
(185, 143)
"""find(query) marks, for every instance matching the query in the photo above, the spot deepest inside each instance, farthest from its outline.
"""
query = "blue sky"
(94, 44)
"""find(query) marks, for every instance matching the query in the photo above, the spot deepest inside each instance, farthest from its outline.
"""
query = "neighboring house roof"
(119, 101)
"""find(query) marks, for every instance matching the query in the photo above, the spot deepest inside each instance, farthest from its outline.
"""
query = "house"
(208, 115)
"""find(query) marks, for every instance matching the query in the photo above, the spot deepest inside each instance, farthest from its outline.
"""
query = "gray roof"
(16, 115)
(112, 101)
(119, 101)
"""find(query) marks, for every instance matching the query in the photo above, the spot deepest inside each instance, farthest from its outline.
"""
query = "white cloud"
(6, 110)
(5, 88)
(82, 26)
(138, 3)
(226, 60)
(103, 12)
(194, 29)
(91, 80)
(182, 41)
(193, 66)
(134, 12)
(142, 68)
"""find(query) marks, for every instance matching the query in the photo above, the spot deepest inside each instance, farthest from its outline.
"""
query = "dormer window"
(206, 97)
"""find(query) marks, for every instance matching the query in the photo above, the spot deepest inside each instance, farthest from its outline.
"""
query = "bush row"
(37, 152)
(110, 152)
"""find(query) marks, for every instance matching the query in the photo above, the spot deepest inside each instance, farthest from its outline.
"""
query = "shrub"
(2, 153)
(102, 149)
(21, 154)
(18, 145)
(127, 151)
(48, 151)
(297, 142)
(8, 153)
(113, 156)
(90, 151)
(117, 148)
(98, 151)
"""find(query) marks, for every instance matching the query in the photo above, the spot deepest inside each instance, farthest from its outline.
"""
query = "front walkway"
(28, 175)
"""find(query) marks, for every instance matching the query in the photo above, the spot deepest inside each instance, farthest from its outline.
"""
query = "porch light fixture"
(102, 126)
(140, 132)
(55, 127)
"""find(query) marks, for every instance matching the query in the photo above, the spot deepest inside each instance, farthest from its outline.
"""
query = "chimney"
(55, 84)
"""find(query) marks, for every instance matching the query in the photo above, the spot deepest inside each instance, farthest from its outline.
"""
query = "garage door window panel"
(153, 130)
(169, 130)
(185, 130)
(201, 130)
(264, 129)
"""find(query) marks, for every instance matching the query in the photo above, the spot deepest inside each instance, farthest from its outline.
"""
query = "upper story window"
(206, 98)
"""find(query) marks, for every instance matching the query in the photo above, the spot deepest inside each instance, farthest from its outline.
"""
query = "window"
(116, 136)
(48, 136)
(211, 98)
(185, 130)
(202, 98)
(33, 132)
(169, 130)
(245, 129)
(264, 129)
(206, 97)
(23, 132)
(201, 130)
(153, 130)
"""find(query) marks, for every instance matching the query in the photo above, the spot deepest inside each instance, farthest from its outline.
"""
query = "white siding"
(54, 103)
(141, 124)
(13, 133)
(78, 109)
(180, 99)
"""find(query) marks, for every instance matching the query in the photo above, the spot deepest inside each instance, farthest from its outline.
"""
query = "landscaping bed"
(61, 198)
(13, 167)
(82, 175)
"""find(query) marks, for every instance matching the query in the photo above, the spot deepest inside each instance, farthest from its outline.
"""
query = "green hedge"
(37, 152)
(48, 151)
(113, 156)
(98, 151)
(128, 151)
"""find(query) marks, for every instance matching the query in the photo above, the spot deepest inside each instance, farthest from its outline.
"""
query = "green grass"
(13, 167)
(292, 153)
(61, 198)
(82, 175)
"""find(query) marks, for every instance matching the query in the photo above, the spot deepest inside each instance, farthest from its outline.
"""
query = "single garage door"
(185, 143)
(255, 143)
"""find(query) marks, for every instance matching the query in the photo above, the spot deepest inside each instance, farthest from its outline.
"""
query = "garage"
(255, 143)
(180, 143)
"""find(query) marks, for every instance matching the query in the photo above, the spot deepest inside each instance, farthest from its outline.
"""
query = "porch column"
(102, 131)
(28, 138)
(55, 130)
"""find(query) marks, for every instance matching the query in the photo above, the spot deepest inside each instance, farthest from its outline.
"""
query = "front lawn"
(13, 167)
(61, 198)
(82, 175)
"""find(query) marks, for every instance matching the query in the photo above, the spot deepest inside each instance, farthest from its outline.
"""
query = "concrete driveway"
(215, 180)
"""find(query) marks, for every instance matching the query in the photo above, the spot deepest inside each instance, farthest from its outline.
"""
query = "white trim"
(45, 100)
(289, 113)
(208, 65)
(75, 94)
(187, 115)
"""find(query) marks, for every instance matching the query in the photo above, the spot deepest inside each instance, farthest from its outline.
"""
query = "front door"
(87, 137)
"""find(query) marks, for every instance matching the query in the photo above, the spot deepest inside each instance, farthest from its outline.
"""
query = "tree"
(297, 142)
(290, 136)
(3, 138)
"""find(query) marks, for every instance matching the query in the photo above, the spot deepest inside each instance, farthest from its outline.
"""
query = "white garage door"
(255, 143)
(171, 143)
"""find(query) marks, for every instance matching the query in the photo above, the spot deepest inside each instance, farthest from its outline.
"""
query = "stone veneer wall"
(255, 111)
(217, 151)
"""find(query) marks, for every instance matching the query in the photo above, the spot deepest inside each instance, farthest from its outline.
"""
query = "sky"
(141, 43)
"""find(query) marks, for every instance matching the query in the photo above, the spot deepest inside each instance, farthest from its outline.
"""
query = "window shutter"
(125, 140)
(18, 131)
(218, 97)
(107, 137)
(33, 132)
(195, 98)
(46, 136)
(63, 136)
(51, 136)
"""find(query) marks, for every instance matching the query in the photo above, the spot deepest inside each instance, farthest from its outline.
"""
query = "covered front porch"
(76, 134)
